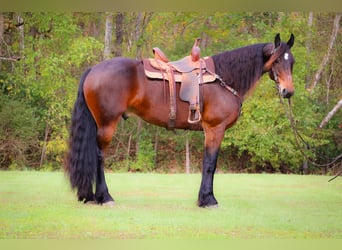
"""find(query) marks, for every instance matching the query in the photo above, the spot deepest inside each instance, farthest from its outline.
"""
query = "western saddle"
(190, 72)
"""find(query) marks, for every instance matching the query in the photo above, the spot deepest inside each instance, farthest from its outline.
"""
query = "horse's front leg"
(213, 139)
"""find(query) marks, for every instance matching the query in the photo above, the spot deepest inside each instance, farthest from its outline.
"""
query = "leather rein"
(298, 137)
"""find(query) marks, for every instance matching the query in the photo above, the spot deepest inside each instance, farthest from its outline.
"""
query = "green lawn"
(41, 205)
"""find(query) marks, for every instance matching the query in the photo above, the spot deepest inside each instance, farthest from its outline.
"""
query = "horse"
(113, 88)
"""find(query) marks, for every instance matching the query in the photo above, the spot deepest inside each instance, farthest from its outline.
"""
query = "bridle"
(274, 72)
(269, 65)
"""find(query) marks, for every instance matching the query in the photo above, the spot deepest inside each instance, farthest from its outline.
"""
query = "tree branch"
(13, 59)
(331, 114)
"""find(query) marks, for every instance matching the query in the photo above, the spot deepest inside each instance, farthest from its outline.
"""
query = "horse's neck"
(241, 68)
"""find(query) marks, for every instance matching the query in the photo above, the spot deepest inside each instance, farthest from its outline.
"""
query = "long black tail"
(82, 157)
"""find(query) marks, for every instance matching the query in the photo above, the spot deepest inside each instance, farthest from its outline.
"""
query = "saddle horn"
(196, 51)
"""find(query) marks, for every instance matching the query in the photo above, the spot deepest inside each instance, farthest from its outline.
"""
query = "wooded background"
(42, 56)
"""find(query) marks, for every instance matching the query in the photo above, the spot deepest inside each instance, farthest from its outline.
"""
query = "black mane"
(241, 68)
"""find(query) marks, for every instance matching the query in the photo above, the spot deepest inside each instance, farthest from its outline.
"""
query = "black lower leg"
(87, 196)
(206, 196)
(102, 195)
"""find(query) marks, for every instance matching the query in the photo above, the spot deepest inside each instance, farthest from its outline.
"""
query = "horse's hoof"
(212, 206)
(209, 202)
(109, 204)
(91, 203)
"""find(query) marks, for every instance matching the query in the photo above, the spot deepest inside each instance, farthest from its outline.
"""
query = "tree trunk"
(308, 70)
(156, 141)
(108, 36)
(308, 49)
(142, 20)
(119, 32)
(328, 81)
(21, 36)
(1, 34)
(128, 152)
(43, 154)
(187, 155)
(139, 26)
(331, 114)
(137, 145)
(326, 58)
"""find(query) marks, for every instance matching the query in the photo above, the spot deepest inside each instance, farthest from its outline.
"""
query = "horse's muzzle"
(286, 93)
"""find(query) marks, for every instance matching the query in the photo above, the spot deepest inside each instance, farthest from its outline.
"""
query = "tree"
(1, 35)
(55, 48)
(119, 32)
(308, 48)
(44, 78)
(187, 155)
(336, 27)
(108, 36)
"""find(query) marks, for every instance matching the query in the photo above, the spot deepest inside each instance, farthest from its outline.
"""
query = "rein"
(298, 138)
(226, 86)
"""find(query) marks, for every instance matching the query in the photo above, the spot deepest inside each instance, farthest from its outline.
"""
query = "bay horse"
(116, 87)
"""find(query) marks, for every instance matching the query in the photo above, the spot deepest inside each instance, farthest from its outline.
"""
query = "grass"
(41, 205)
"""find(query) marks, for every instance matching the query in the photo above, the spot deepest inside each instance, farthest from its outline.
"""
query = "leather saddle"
(190, 72)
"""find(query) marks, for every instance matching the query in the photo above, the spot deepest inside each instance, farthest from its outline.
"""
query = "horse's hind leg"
(104, 136)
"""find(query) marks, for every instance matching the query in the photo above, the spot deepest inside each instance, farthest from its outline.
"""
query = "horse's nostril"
(286, 94)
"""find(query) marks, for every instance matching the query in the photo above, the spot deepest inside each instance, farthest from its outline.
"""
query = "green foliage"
(144, 161)
(264, 134)
(18, 141)
(46, 77)
(261, 131)
(38, 92)
(56, 148)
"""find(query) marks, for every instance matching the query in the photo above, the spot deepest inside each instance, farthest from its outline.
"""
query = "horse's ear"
(277, 41)
(290, 42)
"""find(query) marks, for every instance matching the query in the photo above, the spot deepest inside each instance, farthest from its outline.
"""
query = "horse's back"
(108, 87)
(112, 70)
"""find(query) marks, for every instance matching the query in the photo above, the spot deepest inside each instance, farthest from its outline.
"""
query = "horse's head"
(279, 65)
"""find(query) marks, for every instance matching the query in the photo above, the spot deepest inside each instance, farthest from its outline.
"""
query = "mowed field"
(39, 205)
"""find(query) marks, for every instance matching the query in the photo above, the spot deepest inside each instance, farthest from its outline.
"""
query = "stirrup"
(197, 116)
